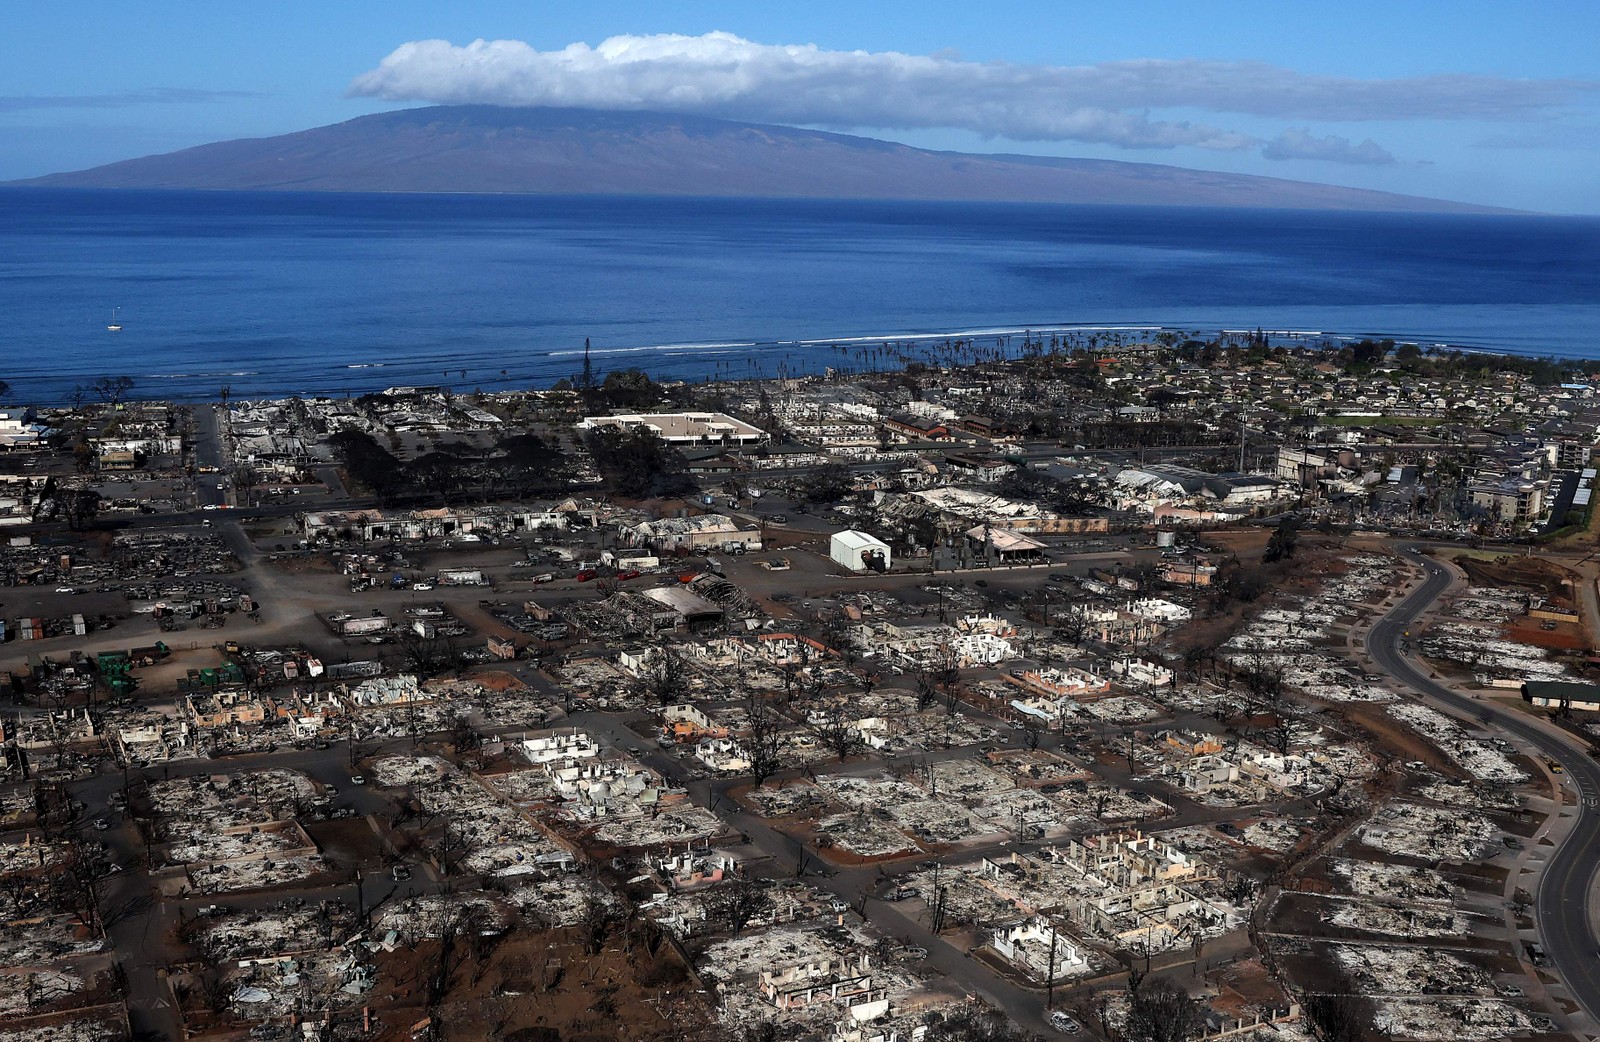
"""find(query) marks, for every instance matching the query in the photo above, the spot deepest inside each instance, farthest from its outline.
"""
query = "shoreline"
(762, 360)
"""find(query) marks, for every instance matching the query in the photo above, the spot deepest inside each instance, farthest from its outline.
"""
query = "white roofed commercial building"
(684, 428)
(859, 551)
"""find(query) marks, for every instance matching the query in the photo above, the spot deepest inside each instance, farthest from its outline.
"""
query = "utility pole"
(1050, 972)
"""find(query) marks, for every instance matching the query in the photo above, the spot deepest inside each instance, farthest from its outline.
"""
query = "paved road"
(1562, 902)
(210, 488)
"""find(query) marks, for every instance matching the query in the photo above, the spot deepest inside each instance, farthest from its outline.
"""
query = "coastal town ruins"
(1182, 689)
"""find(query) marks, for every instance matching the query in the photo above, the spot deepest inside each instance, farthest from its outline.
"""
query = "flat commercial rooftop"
(684, 602)
(694, 427)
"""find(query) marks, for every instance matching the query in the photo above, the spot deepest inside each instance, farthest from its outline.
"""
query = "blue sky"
(1491, 103)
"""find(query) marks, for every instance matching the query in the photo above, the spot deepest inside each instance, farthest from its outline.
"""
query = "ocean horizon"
(276, 294)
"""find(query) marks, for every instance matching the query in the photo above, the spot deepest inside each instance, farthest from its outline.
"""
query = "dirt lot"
(617, 982)
(1564, 637)
(1536, 574)
(347, 841)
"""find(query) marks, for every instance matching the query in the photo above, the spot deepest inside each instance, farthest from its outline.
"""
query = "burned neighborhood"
(1133, 690)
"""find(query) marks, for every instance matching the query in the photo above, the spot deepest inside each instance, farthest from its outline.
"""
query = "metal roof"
(859, 540)
(684, 602)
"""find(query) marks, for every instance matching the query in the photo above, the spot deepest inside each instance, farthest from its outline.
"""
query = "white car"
(209, 506)
(1063, 1023)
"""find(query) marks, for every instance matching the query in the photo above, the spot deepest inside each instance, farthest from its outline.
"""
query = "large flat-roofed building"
(684, 428)
(694, 610)
(1509, 498)
(1553, 694)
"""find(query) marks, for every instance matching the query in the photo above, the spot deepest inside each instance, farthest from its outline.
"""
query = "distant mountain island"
(492, 150)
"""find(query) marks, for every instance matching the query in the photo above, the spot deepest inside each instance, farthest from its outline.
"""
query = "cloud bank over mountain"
(1144, 104)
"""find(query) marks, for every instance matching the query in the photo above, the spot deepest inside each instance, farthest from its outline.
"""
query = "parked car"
(1063, 1023)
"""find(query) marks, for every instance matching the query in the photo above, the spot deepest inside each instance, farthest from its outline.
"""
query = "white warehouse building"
(859, 551)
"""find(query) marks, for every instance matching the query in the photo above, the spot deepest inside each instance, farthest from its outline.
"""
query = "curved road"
(1562, 901)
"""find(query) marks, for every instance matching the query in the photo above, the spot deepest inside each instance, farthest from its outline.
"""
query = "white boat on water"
(114, 326)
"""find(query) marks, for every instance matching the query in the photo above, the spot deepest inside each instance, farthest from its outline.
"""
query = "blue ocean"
(276, 294)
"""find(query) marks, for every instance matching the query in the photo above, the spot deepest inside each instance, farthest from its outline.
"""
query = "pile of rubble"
(1279, 835)
(1292, 637)
(1412, 884)
(1479, 757)
(484, 836)
(101, 1025)
(233, 832)
(1398, 969)
(1436, 834)
(142, 555)
(1450, 1020)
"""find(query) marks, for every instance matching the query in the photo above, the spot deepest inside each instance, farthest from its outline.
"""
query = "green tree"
(637, 462)
(530, 464)
(1281, 546)
(586, 385)
(436, 473)
(828, 484)
(82, 506)
(629, 389)
(367, 463)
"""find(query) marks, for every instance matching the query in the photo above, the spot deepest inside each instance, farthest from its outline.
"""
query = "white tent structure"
(858, 551)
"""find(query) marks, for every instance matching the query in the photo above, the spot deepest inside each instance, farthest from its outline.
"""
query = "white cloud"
(1300, 143)
(720, 74)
